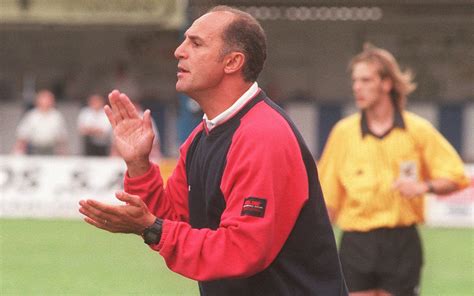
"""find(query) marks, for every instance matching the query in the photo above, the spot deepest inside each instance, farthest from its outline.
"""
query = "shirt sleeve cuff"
(132, 182)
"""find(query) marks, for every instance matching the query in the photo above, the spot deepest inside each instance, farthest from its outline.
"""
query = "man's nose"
(179, 53)
(355, 86)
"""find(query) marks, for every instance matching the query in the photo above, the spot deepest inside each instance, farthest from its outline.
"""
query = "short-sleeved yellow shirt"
(357, 171)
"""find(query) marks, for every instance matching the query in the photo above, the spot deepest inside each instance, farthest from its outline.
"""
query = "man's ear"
(234, 62)
(387, 85)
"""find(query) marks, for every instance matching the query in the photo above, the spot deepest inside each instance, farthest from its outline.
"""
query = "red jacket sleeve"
(170, 202)
(265, 163)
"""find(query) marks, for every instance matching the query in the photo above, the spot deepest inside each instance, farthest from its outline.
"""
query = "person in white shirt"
(42, 130)
(94, 127)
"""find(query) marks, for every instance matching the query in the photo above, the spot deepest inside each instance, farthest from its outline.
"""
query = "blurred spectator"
(42, 130)
(155, 154)
(124, 81)
(94, 127)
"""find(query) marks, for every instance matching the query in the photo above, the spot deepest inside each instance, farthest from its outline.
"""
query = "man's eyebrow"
(194, 38)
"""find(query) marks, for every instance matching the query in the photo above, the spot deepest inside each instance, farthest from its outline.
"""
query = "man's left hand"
(131, 217)
(410, 188)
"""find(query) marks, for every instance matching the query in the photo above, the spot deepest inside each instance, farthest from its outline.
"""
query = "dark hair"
(244, 34)
(388, 67)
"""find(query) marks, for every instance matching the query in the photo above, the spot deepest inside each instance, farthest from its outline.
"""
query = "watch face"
(151, 237)
(152, 234)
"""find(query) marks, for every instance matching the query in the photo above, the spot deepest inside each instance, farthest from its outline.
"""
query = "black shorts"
(385, 258)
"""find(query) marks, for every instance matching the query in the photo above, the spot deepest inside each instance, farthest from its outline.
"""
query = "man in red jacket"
(243, 212)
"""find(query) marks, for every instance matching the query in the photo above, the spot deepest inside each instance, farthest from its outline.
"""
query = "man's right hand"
(133, 135)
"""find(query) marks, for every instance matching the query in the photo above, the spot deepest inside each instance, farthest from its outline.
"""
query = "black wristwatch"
(430, 186)
(152, 234)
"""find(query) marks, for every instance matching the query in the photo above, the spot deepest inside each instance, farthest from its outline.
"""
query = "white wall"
(305, 116)
(468, 133)
(426, 110)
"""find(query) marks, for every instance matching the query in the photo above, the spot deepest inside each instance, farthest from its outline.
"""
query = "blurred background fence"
(76, 48)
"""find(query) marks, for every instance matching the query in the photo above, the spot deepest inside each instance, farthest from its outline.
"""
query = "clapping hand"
(133, 135)
(132, 216)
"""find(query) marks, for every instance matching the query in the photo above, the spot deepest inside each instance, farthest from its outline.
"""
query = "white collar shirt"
(249, 94)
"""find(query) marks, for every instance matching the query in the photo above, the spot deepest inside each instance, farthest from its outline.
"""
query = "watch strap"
(152, 234)
(430, 186)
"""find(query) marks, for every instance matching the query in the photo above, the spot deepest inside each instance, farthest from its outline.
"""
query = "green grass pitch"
(69, 257)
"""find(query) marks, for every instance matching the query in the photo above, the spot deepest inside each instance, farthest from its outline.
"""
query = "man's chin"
(180, 88)
(183, 90)
(361, 106)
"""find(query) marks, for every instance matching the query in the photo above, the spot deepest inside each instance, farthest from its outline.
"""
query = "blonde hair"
(388, 68)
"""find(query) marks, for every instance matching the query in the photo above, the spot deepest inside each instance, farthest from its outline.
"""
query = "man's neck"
(380, 117)
(216, 101)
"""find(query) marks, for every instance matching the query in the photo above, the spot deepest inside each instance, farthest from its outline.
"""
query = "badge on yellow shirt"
(408, 170)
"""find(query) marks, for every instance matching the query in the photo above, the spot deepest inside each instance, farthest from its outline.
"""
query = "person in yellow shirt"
(375, 169)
